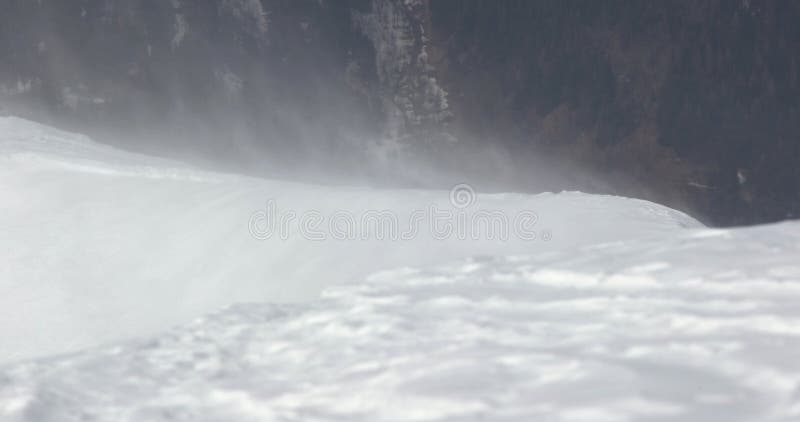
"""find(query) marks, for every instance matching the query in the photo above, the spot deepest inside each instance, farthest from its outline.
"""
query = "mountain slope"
(100, 245)
(691, 103)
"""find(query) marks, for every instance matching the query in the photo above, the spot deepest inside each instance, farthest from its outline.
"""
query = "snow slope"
(99, 245)
(701, 326)
(631, 312)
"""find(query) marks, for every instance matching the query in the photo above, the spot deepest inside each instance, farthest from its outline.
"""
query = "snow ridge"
(630, 311)
(89, 232)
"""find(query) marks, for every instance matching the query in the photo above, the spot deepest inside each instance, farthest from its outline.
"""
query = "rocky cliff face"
(691, 103)
(697, 99)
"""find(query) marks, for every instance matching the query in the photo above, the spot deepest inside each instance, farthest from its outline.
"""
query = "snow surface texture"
(630, 312)
(700, 326)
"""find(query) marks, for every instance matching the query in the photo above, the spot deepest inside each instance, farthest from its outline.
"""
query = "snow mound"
(695, 326)
(99, 245)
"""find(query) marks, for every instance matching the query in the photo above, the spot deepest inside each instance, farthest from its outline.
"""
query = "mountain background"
(693, 104)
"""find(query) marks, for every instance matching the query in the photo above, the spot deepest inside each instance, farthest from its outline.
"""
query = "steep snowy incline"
(98, 245)
(702, 325)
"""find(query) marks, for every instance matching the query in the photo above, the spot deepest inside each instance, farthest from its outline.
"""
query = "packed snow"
(133, 289)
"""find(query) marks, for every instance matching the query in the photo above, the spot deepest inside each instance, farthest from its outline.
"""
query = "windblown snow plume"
(171, 307)
(102, 245)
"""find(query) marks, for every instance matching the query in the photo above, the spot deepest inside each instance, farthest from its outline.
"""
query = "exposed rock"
(416, 105)
(695, 104)
(674, 94)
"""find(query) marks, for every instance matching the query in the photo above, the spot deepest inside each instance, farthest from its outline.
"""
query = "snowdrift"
(99, 244)
(618, 310)
(700, 325)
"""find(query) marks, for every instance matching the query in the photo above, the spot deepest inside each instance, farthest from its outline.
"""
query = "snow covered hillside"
(98, 244)
(698, 326)
(617, 310)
